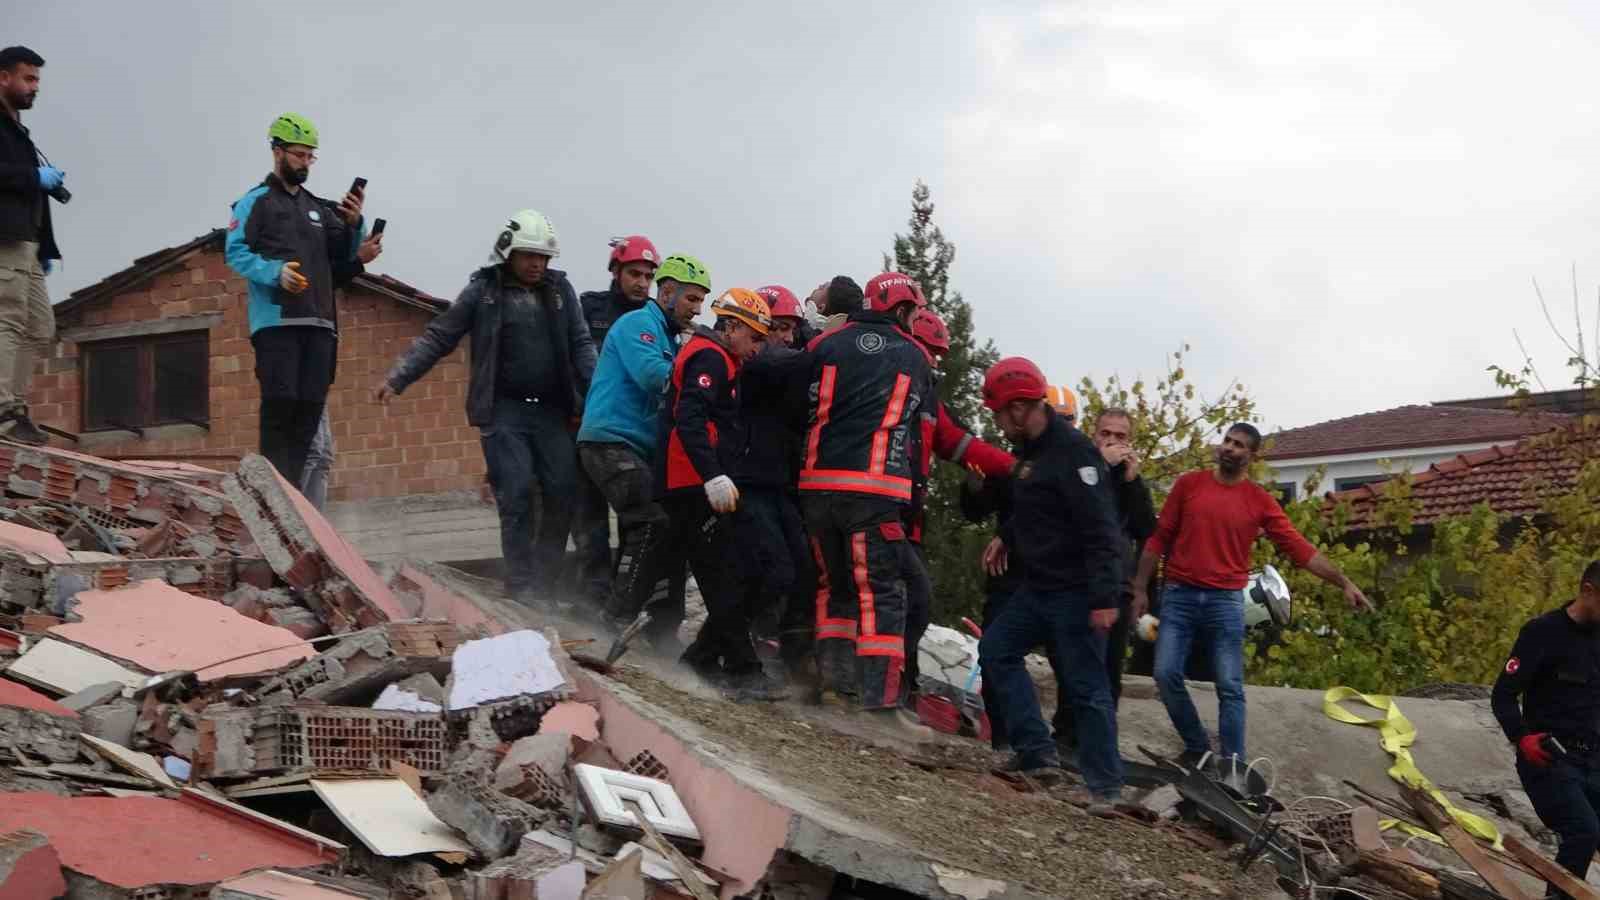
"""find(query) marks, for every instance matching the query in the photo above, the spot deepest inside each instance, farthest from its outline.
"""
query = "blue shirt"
(630, 381)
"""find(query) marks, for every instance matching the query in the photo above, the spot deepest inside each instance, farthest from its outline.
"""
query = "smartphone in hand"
(359, 186)
(377, 226)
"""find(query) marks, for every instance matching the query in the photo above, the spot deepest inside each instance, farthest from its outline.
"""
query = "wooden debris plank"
(1494, 874)
(685, 869)
(1549, 870)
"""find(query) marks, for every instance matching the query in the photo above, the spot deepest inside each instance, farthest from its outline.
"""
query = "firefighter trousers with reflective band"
(861, 595)
(628, 484)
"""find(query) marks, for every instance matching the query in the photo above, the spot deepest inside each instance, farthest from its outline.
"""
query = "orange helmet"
(744, 305)
(1061, 398)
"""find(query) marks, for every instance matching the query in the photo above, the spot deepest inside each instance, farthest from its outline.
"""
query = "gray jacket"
(478, 310)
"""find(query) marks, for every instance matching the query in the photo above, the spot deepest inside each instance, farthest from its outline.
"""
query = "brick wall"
(421, 444)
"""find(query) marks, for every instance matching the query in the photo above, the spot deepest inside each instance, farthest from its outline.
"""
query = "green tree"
(952, 544)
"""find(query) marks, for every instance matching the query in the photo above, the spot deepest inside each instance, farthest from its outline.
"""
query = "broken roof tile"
(1512, 479)
(157, 627)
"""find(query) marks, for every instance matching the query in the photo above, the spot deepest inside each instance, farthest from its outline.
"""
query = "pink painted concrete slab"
(16, 696)
(342, 556)
(577, 719)
(33, 542)
(159, 628)
(438, 602)
(131, 842)
(283, 886)
(34, 872)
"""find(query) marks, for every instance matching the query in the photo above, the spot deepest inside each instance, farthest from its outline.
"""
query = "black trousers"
(1566, 795)
(919, 602)
(295, 366)
(528, 444)
(704, 540)
(777, 574)
(628, 484)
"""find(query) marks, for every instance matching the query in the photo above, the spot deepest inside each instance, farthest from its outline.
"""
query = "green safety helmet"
(684, 269)
(293, 128)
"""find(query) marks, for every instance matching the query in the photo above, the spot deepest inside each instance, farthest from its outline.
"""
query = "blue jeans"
(529, 441)
(1062, 618)
(1215, 618)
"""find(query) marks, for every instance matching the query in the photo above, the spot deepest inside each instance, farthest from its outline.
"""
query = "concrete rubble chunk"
(298, 621)
(355, 670)
(307, 552)
(1162, 802)
(534, 876)
(29, 867)
(493, 823)
(546, 752)
(93, 695)
(622, 880)
(113, 721)
(395, 697)
(159, 628)
(36, 724)
(516, 664)
(39, 548)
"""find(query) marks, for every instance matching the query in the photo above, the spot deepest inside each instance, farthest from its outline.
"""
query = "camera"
(60, 194)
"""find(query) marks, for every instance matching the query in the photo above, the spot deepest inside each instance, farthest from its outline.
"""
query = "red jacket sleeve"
(1282, 532)
(952, 442)
(1171, 515)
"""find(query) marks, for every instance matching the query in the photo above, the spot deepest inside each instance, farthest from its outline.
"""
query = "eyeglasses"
(305, 156)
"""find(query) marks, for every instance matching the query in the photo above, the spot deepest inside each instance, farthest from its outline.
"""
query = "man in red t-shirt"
(1205, 532)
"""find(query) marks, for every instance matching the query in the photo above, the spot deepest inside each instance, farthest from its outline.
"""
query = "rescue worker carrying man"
(870, 387)
(704, 437)
(1554, 669)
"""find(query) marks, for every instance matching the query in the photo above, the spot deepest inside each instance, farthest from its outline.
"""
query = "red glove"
(1532, 748)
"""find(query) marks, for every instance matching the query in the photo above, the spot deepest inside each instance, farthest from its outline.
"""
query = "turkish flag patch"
(232, 224)
(647, 337)
(1512, 665)
(704, 380)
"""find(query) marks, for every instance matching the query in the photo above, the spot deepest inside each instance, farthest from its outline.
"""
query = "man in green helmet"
(293, 249)
(618, 440)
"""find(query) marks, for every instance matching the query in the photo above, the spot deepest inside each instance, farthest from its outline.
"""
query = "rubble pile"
(204, 690)
(196, 660)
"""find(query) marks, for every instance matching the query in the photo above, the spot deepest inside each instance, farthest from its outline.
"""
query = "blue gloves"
(50, 177)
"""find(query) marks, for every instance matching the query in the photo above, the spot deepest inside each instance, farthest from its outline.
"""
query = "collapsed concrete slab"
(516, 664)
(133, 842)
(307, 552)
(116, 495)
(157, 627)
(29, 867)
(235, 743)
(388, 817)
(275, 885)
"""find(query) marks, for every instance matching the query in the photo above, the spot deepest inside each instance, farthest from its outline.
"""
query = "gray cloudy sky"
(1340, 204)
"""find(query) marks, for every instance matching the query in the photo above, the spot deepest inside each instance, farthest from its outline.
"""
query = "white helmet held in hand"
(528, 230)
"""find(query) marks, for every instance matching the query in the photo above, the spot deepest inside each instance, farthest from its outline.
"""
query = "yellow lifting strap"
(1397, 734)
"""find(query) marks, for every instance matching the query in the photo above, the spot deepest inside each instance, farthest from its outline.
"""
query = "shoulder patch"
(704, 380)
(870, 342)
(1090, 475)
(233, 223)
(1512, 665)
(647, 337)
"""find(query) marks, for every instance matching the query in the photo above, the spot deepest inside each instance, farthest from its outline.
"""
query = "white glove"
(723, 495)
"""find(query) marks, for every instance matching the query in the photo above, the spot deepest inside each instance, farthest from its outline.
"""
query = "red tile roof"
(161, 260)
(1409, 426)
(1513, 479)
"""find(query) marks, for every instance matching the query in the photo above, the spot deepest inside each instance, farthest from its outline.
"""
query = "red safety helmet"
(929, 330)
(633, 248)
(888, 290)
(1012, 378)
(782, 301)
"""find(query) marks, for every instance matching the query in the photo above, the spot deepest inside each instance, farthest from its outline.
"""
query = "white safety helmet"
(527, 230)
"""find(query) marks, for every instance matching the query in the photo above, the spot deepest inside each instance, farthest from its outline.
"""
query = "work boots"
(755, 685)
(22, 430)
